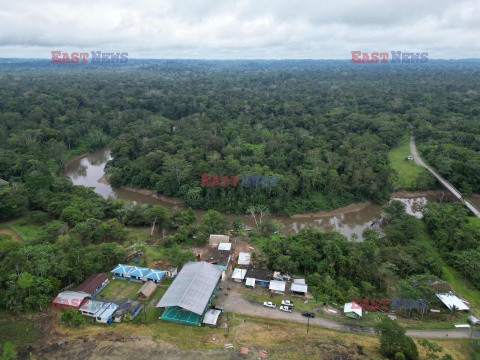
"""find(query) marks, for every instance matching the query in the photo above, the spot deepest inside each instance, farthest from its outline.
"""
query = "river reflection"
(88, 170)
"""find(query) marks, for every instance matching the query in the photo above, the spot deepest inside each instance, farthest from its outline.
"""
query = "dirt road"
(237, 303)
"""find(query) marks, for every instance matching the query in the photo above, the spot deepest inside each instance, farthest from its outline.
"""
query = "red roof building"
(94, 283)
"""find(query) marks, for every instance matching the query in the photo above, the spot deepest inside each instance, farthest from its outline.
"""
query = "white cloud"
(240, 29)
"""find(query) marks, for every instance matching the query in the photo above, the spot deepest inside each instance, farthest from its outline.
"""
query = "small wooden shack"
(147, 290)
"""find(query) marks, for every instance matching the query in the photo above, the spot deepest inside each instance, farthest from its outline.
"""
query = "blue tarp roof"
(122, 269)
(106, 311)
(138, 271)
(155, 274)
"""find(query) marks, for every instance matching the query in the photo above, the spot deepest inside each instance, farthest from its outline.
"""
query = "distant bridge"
(444, 182)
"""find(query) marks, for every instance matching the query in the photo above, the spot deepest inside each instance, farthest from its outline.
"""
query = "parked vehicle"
(308, 314)
(269, 304)
(285, 308)
(287, 303)
(218, 307)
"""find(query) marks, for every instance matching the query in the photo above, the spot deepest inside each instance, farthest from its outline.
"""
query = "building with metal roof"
(450, 300)
(93, 284)
(299, 287)
(138, 273)
(277, 286)
(352, 310)
(105, 313)
(250, 282)
(155, 275)
(239, 274)
(122, 270)
(90, 307)
(70, 299)
(243, 259)
(211, 317)
(225, 246)
(262, 276)
(191, 293)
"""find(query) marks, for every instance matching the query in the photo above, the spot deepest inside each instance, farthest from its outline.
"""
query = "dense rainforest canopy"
(323, 127)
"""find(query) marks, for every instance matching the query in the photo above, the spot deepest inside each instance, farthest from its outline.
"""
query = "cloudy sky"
(224, 29)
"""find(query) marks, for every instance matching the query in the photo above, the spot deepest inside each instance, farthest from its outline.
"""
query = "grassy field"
(120, 289)
(281, 339)
(406, 170)
(24, 227)
(18, 331)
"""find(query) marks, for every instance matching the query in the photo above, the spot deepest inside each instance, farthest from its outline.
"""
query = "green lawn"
(128, 289)
(406, 170)
(19, 332)
(24, 227)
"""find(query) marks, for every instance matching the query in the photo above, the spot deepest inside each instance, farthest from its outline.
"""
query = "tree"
(72, 317)
(213, 222)
(237, 226)
(393, 340)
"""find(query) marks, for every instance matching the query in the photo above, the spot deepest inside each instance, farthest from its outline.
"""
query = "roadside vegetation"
(409, 176)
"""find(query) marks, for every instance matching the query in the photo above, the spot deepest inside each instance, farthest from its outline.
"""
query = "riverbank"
(146, 192)
(343, 210)
(75, 158)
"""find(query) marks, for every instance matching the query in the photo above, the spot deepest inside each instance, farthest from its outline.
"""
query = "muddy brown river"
(88, 170)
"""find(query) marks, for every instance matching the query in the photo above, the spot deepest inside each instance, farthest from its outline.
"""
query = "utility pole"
(308, 324)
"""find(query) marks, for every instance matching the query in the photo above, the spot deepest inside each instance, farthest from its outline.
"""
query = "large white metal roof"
(296, 287)
(193, 287)
(352, 307)
(239, 273)
(211, 317)
(277, 285)
(225, 246)
(244, 258)
(451, 300)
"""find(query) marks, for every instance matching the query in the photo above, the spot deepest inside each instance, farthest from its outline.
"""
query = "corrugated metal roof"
(277, 285)
(225, 246)
(91, 306)
(71, 298)
(450, 300)
(92, 283)
(299, 281)
(122, 269)
(211, 317)
(239, 273)
(106, 311)
(139, 271)
(193, 287)
(250, 281)
(155, 274)
(352, 307)
(244, 258)
(299, 287)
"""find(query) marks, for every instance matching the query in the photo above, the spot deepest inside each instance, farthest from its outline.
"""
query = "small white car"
(269, 304)
(285, 308)
(287, 303)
